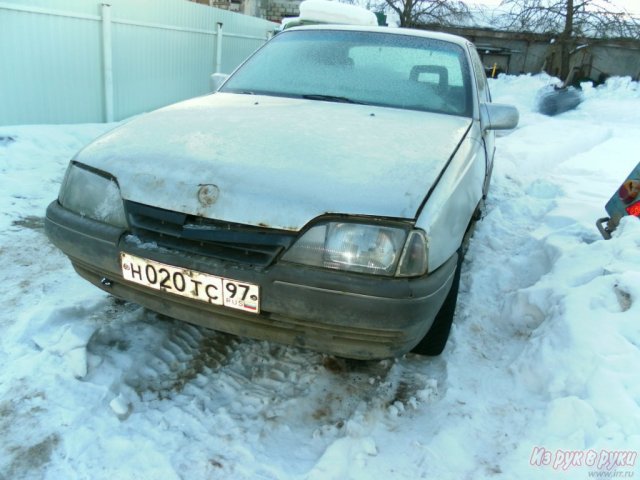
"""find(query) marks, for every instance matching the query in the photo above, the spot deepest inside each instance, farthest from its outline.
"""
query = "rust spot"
(322, 412)
(266, 225)
(208, 194)
(334, 365)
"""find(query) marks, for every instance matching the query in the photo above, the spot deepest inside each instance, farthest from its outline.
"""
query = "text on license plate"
(191, 284)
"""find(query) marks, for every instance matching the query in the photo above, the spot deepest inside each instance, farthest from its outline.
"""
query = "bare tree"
(570, 19)
(420, 12)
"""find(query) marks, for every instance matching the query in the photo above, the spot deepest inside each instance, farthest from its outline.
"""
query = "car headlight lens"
(356, 247)
(413, 262)
(92, 194)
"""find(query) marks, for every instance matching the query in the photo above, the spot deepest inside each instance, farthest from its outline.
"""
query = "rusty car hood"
(278, 162)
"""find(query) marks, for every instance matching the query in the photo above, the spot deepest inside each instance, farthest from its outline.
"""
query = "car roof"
(445, 37)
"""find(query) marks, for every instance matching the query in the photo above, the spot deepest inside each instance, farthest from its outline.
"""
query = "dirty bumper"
(350, 315)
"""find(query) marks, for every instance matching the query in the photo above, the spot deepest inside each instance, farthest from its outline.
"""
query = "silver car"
(321, 197)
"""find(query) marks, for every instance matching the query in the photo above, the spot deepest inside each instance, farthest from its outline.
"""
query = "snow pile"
(540, 378)
(584, 344)
(580, 317)
(326, 11)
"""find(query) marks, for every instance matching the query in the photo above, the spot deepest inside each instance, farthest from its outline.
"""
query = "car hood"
(278, 162)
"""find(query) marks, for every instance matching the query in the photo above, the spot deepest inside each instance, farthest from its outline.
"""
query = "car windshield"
(372, 68)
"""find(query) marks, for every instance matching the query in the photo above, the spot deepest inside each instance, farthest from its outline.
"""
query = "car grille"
(244, 244)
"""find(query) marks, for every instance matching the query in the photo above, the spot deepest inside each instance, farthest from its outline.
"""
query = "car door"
(484, 95)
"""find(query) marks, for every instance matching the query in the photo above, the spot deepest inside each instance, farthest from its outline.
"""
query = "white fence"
(83, 61)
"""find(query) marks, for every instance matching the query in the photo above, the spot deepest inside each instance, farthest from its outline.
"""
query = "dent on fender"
(452, 203)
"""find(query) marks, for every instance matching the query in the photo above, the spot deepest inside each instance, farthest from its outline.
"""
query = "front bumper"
(350, 315)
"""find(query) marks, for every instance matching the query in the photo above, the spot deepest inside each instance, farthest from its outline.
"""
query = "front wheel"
(436, 338)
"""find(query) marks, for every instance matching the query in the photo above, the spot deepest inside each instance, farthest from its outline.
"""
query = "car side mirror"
(216, 81)
(496, 116)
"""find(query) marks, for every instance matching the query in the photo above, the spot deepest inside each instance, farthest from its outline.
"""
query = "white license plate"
(191, 284)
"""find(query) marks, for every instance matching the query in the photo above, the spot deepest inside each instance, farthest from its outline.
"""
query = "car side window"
(481, 78)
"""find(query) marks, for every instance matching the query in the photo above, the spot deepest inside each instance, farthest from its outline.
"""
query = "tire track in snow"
(235, 387)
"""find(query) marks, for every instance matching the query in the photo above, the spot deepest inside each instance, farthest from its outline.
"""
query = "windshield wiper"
(329, 98)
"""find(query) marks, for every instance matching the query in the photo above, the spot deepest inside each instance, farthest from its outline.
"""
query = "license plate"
(191, 284)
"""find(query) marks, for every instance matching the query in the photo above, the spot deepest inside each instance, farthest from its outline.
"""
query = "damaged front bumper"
(346, 314)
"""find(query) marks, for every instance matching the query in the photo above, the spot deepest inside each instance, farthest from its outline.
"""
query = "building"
(273, 10)
(522, 52)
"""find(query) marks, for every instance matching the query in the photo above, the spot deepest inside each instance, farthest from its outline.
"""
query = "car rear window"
(375, 68)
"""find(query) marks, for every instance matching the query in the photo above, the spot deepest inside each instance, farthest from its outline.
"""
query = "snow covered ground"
(540, 380)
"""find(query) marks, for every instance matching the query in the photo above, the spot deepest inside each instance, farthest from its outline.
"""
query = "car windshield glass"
(373, 68)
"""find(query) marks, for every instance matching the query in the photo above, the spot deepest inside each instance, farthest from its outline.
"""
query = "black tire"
(436, 338)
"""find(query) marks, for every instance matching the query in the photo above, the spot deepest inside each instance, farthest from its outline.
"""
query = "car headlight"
(92, 194)
(357, 247)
